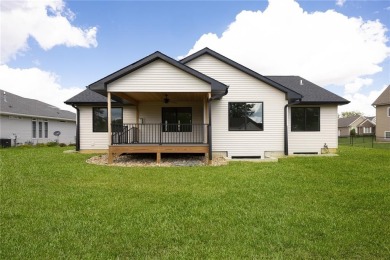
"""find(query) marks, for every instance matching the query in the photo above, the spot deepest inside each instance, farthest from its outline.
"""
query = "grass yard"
(54, 205)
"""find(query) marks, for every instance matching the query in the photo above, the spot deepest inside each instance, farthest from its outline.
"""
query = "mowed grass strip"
(54, 205)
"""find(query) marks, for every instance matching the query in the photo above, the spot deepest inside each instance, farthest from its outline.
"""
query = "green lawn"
(54, 205)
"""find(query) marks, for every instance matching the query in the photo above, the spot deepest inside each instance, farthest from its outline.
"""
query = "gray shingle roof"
(347, 121)
(87, 96)
(312, 94)
(17, 105)
(384, 98)
(309, 92)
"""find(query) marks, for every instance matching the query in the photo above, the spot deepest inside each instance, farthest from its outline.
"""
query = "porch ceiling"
(134, 97)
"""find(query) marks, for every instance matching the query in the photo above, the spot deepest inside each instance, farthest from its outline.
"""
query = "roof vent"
(301, 82)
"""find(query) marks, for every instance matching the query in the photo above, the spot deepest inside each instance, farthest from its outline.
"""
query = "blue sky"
(88, 40)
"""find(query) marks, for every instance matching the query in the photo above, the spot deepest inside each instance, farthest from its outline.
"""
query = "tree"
(350, 113)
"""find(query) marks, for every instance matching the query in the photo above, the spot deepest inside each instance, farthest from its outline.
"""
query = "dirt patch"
(149, 160)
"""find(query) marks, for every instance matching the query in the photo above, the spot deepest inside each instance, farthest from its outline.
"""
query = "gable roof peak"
(384, 98)
(291, 94)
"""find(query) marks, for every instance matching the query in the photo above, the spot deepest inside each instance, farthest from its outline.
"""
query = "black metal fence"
(366, 141)
(159, 134)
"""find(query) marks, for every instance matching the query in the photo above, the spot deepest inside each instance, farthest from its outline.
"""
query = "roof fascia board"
(354, 121)
(291, 94)
(325, 103)
(34, 116)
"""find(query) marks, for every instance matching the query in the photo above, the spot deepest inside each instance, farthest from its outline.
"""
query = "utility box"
(5, 142)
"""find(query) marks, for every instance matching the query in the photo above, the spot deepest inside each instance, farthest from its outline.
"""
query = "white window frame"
(388, 111)
(385, 134)
(367, 130)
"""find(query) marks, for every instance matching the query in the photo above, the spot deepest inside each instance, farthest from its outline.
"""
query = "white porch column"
(109, 117)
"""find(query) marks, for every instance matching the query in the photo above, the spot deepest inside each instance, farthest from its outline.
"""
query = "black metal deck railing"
(159, 134)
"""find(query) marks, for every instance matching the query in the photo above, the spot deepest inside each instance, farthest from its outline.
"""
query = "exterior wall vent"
(246, 157)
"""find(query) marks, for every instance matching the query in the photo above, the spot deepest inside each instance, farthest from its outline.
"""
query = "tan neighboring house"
(382, 106)
(363, 125)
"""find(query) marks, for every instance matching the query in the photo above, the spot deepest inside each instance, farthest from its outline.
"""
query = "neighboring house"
(362, 125)
(204, 103)
(25, 120)
(382, 106)
(368, 126)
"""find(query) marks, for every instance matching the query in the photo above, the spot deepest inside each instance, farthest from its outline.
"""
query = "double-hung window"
(100, 119)
(34, 128)
(305, 119)
(46, 129)
(40, 129)
(246, 116)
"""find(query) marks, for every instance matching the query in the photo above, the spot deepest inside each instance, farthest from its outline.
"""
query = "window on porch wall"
(100, 119)
(177, 119)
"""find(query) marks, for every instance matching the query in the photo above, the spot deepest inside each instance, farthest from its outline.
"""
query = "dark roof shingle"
(384, 98)
(87, 96)
(312, 94)
(347, 121)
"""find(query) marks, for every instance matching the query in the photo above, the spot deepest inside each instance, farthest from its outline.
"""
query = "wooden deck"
(116, 150)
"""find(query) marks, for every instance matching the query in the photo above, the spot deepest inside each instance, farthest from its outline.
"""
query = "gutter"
(290, 103)
(210, 130)
(36, 116)
(77, 127)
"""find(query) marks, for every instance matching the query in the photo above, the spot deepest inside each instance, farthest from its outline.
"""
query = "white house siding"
(243, 88)
(158, 76)
(312, 142)
(21, 127)
(90, 140)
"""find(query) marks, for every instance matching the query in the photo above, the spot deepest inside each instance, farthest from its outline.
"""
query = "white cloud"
(36, 84)
(340, 2)
(356, 85)
(327, 48)
(361, 102)
(48, 22)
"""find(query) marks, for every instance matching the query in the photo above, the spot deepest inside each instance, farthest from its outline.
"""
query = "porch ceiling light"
(166, 99)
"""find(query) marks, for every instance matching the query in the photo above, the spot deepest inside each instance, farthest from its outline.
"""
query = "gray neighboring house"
(363, 125)
(382, 107)
(24, 120)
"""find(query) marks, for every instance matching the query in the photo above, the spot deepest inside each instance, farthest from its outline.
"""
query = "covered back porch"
(162, 122)
(171, 101)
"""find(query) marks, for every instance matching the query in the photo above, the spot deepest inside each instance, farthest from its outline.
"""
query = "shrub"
(51, 144)
(72, 144)
(40, 145)
(62, 145)
(352, 132)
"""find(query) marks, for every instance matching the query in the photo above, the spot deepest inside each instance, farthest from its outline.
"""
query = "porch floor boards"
(116, 150)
